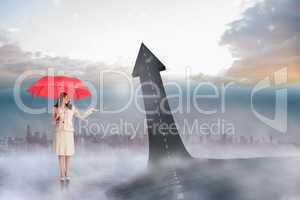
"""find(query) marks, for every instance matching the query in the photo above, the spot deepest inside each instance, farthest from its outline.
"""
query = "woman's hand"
(94, 110)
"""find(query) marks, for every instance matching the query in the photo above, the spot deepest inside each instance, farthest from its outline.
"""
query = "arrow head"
(146, 57)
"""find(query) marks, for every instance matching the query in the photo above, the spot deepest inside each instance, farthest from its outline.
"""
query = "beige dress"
(63, 140)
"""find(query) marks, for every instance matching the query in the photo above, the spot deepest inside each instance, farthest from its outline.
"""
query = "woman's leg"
(61, 161)
(67, 164)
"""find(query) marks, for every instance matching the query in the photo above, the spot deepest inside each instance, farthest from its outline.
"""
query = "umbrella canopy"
(52, 86)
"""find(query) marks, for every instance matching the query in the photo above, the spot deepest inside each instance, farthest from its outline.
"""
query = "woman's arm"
(83, 115)
(55, 115)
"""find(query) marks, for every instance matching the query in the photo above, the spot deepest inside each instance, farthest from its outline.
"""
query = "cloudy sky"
(266, 39)
(211, 37)
(182, 33)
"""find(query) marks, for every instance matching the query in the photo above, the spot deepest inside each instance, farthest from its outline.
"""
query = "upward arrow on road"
(164, 139)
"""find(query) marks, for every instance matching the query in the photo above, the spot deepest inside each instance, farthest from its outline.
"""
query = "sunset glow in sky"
(239, 39)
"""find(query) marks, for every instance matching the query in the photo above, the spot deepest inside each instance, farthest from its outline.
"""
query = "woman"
(63, 141)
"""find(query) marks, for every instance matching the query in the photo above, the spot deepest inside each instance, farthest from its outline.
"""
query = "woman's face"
(66, 99)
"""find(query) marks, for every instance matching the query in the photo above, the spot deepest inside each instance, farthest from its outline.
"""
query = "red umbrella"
(52, 86)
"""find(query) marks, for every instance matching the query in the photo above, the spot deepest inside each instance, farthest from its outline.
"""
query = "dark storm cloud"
(267, 34)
